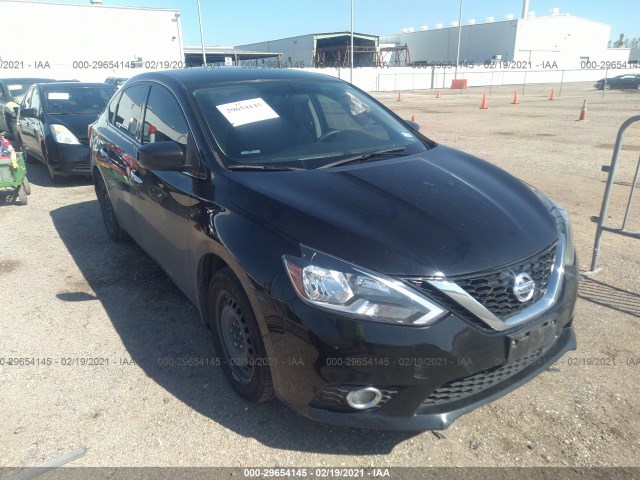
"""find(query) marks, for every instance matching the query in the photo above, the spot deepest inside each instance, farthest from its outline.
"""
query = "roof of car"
(210, 75)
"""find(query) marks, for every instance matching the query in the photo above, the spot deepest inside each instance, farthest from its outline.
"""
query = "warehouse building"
(557, 40)
(332, 50)
(563, 39)
(89, 41)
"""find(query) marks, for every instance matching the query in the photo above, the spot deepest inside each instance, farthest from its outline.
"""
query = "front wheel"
(52, 173)
(114, 230)
(607, 86)
(238, 339)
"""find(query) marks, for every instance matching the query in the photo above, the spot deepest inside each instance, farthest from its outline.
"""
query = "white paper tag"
(14, 87)
(247, 111)
(58, 95)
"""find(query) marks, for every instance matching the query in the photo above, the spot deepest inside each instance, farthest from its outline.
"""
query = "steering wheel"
(327, 135)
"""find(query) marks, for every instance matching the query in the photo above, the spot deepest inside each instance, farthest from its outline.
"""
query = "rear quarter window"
(128, 115)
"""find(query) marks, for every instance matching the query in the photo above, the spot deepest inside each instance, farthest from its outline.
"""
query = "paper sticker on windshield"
(247, 111)
(407, 134)
(58, 95)
(14, 87)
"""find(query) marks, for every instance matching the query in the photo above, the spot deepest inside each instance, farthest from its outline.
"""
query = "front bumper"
(429, 376)
(69, 159)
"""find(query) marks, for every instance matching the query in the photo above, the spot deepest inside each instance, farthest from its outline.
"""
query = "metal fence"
(602, 218)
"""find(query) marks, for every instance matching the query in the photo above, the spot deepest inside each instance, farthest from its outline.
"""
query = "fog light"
(364, 398)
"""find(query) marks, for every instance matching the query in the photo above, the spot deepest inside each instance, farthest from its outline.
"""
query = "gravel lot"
(70, 293)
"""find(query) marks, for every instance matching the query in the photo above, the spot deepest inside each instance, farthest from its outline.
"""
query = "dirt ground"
(68, 293)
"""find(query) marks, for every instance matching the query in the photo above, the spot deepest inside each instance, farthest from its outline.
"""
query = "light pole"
(204, 55)
(351, 52)
(455, 75)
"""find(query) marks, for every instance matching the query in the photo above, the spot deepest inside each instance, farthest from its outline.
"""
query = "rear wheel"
(114, 230)
(238, 339)
(22, 195)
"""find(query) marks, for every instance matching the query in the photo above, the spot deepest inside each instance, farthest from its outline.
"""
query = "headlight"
(62, 134)
(336, 285)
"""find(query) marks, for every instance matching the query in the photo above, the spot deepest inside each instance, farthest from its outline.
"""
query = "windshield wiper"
(272, 168)
(365, 156)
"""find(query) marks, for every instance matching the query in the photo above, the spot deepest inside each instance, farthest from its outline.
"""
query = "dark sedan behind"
(622, 82)
(53, 124)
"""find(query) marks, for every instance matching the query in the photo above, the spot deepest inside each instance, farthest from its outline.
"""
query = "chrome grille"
(494, 289)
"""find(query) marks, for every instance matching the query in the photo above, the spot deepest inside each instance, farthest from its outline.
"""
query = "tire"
(114, 230)
(22, 195)
(27, 158)
(607, 86)
(26, 185)
(237, 338)
(52, 173)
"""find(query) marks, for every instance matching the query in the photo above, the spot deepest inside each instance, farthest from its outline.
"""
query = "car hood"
(441, 211)
(77, 123)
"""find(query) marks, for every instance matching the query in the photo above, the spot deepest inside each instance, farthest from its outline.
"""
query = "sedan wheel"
(52, 173)
(114, 230)
(237, 338)
(607, 86)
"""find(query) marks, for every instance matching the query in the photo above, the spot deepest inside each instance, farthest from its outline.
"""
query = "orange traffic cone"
(553, 95)
(583, 112)
(398, 99)
(438, 93)
(484, 102)
(515, 98)
(413, 118)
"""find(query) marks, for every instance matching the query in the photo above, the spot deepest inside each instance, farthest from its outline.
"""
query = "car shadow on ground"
(164, 336)
(609, 296)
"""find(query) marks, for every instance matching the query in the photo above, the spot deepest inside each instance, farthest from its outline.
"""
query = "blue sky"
(236, 22)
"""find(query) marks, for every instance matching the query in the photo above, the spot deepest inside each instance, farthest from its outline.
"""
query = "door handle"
(133, 175)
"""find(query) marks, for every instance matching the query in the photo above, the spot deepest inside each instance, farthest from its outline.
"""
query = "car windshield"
(17, 88)
(77, 100)
(301, 124)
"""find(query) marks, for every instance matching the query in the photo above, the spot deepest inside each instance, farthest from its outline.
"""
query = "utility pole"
(455, 75)
(204, 54)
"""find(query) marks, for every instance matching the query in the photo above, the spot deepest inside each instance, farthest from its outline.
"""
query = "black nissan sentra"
(345, 263)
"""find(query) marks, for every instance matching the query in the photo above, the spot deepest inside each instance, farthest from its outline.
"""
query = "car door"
(162, 198)
(116, 150)
(26, 125)
(37, 124)
(627, 81)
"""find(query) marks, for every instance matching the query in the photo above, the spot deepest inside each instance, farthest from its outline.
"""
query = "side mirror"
(161, 156)
(28, 112)
(414, 125)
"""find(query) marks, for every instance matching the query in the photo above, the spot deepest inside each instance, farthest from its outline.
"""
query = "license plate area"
(524, 343)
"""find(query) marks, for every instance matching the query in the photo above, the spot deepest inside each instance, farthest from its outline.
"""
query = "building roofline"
(515, 19)
(355, 34)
